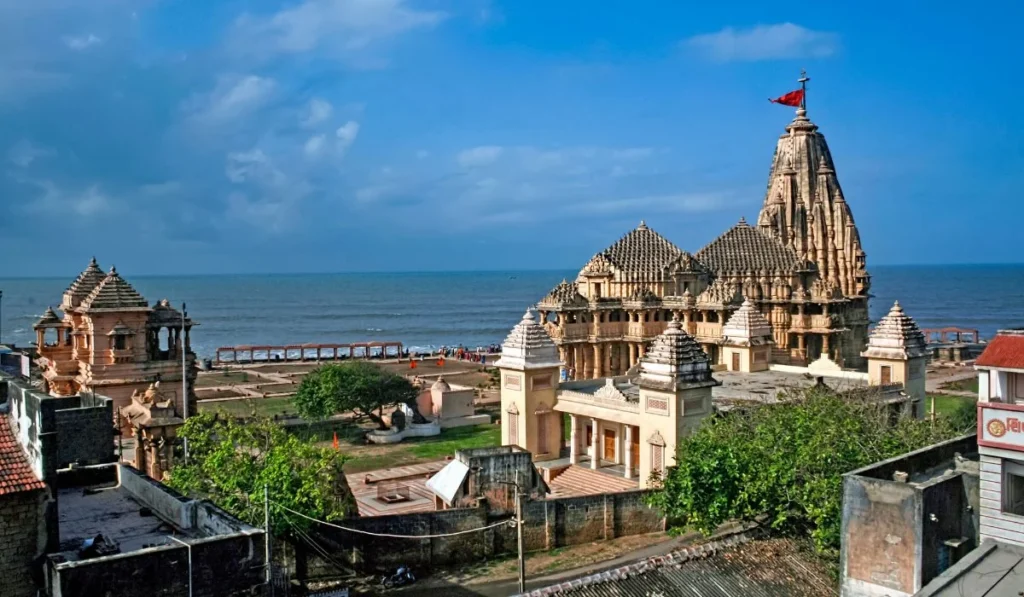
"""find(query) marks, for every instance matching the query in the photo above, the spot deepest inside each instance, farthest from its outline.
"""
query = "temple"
(110, 341)
(801, 267)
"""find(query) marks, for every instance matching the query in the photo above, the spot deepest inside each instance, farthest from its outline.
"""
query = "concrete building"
(907, 519)
(110, 341)
(450, 405)
(74, 523)
(630, 422)
(801, 266)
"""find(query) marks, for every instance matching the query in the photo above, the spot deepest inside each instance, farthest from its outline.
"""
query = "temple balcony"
(56, 352)
(609, 330)
(707, 331)
(582, 401)
(645, 329)
(118, 356)
(570, 331)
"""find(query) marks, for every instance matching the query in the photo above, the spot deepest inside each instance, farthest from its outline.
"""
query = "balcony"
(610, 331)
(708, 331)
(570, 331)
(568, 397)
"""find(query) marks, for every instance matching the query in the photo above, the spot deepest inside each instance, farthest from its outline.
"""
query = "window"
(513, 429)
(541, 382)
(1013, 488)
(886, 374)
(120, 342)
(597, 290)
(658, 459)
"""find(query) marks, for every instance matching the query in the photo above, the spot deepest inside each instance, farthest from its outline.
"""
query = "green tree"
(229, 464)
(782, 465)
(358, 387)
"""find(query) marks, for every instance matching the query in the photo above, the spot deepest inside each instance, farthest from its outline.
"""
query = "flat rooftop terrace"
(766, 386)
(111, 511)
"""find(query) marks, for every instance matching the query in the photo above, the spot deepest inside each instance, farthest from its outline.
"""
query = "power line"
(361, 532)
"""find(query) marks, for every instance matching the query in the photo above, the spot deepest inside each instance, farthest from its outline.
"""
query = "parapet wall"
(549, 523)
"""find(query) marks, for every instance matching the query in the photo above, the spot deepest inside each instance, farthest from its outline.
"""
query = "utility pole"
(1, 316)
(184, 377)
(519, 538)
(266, 539)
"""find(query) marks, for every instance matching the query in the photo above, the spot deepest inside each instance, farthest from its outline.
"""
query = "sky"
(174, 137)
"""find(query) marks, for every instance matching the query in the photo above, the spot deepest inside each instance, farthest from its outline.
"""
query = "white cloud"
(252, 166)
(347, 134)
(479, 156)
(91, 202)
(318, 111)
(764, 42)
(232, 98)
(24, 152)
(314, 145)
(56, 199)
(342, 26)
(82, 42)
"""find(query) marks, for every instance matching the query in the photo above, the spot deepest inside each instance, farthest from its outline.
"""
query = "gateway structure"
(801, 265)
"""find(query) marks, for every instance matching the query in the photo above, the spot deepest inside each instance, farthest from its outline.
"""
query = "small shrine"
(154, 424)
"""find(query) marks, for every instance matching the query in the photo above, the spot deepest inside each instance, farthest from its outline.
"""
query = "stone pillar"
(577, 362)
(632, 355)
(641, 349)
(574, 439)
(595, 443)
(629, 452)
(598, 361)
(824, 345)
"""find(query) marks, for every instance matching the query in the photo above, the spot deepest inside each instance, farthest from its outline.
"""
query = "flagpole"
(184, 376)
(803, 88)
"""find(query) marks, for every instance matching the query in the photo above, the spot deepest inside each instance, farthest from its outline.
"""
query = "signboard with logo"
(1001, 426)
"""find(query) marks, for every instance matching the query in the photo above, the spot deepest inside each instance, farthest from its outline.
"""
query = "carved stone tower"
(747, 340)
(804, 208)
(529, 367)
(896, 353)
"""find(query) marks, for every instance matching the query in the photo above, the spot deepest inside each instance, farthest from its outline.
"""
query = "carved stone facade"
(111, 342)
(802, 268)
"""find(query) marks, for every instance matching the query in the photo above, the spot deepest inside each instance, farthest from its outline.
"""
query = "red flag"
(793, 98)
(335, 444)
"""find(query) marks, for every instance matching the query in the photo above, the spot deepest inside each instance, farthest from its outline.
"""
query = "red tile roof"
(1005, 350)
(15, 473)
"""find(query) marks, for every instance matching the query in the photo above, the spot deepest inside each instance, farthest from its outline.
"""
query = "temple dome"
(441, 385)
(48, 319)
(86, 281)
(528, 346)
(747, 327)
(642, 254)
(114, 294)
(743, 249)
(675, 361)
(896, 337)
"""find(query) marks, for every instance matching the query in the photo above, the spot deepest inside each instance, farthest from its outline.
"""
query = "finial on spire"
(642, 225)
(743, 220)
(803, 87)
(528, 316)
(113, 271)
(92, 262)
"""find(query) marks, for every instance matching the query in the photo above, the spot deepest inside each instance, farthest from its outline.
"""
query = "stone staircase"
(580, 480)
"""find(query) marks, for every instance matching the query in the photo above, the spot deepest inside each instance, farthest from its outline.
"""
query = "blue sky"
(372, 135)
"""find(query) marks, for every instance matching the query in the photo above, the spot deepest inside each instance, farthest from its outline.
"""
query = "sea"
(428, 310)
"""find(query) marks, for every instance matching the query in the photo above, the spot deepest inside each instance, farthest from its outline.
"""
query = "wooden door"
(735, 361)
(636, 450)
(886, 374)
(609, 444)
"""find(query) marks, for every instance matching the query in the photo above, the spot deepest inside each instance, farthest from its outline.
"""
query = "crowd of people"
(460, 352)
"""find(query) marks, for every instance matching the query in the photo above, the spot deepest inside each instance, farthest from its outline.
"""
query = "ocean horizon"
(472, 308)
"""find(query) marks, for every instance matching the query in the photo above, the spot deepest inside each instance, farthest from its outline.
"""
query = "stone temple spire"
(747, 327)
(528, 346)
(805, 209)
(675, 361)
(896, 337)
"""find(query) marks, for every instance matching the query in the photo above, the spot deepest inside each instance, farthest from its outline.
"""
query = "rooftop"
(745, 249)
(726, 568)
(114, 294)
(110, 511)
(641, 251)
(1006, 350)
(767, 386)
(16, 473)
(896, 337)
(993, 569)
(528, 346)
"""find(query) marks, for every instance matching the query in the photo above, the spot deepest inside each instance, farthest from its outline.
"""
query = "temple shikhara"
(801, 267)
(110, 341)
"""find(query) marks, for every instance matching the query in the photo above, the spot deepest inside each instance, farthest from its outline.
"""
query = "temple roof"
(86, 281)
(165, 315)
(747, 326)
(720, 293)
(114, 294)
(49, 319)
(743, 249)
(565, 295)
(675, 361)
(528, 346)
(642, 251)
(151, 408)
(896, 337)
(441, 385)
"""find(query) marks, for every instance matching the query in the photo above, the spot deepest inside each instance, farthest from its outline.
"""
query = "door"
(609, 444)
(886, 375)
(636, 450)
(590, 439)
(735, 361)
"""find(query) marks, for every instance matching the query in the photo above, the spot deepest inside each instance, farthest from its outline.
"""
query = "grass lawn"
(945, 404)
(962, 385)
(225, 378)
(244, 408)
(416, 450)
